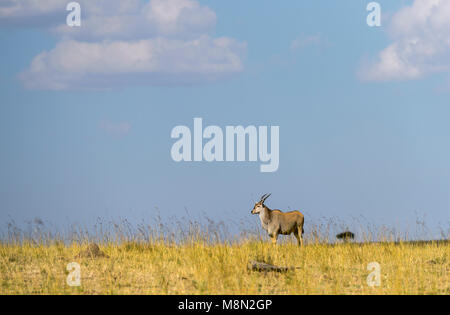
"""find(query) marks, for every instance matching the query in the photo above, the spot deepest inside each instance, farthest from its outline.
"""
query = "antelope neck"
(265, 214)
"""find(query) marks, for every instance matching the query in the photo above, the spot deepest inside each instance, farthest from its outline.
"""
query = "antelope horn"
(265, 197)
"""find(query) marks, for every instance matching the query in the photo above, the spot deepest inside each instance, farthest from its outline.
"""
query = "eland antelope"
(276, 222)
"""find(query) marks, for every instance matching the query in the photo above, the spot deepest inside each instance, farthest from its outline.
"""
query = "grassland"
(198, 267)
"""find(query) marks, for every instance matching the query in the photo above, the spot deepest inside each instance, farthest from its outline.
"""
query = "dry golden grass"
(200, 268)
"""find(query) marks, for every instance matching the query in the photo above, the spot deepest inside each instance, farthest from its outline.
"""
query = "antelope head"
(259, 206)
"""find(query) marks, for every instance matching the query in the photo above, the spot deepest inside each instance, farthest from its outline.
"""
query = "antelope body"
(276, 222)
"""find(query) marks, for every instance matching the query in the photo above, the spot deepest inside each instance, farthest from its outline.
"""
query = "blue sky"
(363, 113)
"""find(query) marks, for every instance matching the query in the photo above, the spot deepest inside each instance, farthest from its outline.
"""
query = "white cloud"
(421, 44)
(22, 8)
(30, 13)
(85, 65)
(125, 42)
(174, 18)
(42, 13)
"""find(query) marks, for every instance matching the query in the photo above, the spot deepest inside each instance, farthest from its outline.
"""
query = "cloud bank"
(421, 44)
(125, 42)
(30, 13)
